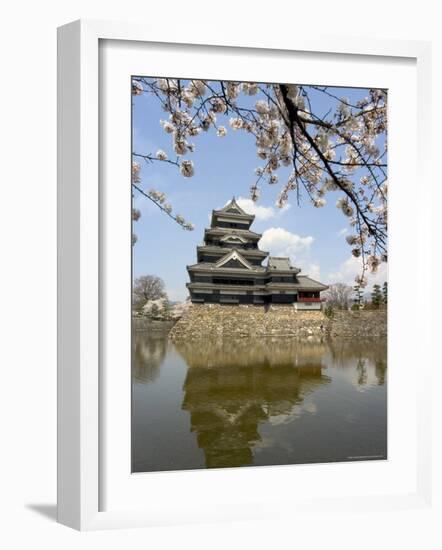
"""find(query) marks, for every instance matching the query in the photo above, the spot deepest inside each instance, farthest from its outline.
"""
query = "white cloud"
(260, 212)
(311, 269)
(343, 232)
(351, 267)
(280, 242)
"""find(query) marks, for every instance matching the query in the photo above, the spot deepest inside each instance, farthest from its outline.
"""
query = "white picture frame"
(80, 394)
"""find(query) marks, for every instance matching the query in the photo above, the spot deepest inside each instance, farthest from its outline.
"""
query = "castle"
(230, 270)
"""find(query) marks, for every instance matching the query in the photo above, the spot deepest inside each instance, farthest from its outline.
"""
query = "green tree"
(376, 296)
(358, 296)
(154, 311)
(166, 310)
(385, 293)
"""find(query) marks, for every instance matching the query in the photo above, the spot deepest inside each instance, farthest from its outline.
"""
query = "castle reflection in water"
(233, 388)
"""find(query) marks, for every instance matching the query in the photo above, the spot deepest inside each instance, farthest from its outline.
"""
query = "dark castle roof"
(232, 211)
(280, 264)
(233, 260)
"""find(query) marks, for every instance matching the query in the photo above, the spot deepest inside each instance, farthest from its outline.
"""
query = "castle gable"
(233, 208)
(234, 259)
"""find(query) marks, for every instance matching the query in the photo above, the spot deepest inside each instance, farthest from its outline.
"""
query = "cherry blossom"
(161, 155)
(187, 168)
(342, 151)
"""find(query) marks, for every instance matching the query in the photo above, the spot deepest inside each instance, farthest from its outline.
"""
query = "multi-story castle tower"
(230, 270)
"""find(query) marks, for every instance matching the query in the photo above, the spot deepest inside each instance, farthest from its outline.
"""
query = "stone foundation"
(358, 324)
(214, 320)
(245, 321)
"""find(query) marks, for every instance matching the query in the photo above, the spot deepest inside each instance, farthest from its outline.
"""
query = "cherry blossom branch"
(177, 218)
(288, 132)
(151, 158)
(294, 118)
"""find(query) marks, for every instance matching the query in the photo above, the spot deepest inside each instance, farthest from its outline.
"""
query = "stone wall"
(208, 320)
(143, 323)
(214, 320)
(358, 324)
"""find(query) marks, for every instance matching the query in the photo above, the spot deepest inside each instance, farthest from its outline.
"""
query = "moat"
(250, 402)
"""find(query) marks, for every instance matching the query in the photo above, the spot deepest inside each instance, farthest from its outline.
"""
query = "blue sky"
(314, 238)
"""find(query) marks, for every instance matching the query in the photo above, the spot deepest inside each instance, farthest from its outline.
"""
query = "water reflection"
(370, 358)
(148, 354)
(239, 402)
(233, 386)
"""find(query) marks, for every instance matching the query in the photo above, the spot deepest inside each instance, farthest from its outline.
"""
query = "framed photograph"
(234, 229)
